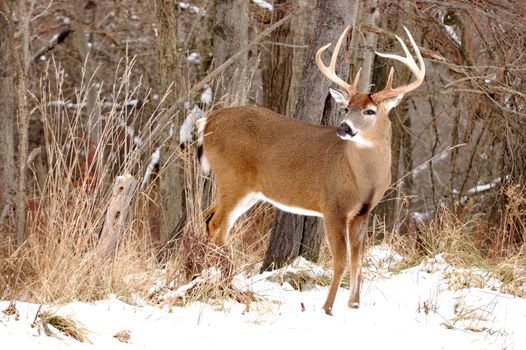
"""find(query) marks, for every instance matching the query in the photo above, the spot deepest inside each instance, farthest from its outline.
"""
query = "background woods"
(92, 90)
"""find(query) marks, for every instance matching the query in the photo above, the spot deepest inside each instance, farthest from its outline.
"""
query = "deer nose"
(345, 129)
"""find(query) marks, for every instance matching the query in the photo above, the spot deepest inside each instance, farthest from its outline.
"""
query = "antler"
(419, 72)
(329, 71)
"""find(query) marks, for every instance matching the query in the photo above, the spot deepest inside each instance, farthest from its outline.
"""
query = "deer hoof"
(328, 311)
(354, 305)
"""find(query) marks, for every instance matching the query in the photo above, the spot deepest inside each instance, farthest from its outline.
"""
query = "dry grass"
(469, 241)
(53, 324)
(71, 183)
(70, 188)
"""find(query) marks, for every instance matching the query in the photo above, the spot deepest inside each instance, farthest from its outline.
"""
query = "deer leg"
(336, 238)
(209, 214)
(357, 235)
(220, 218)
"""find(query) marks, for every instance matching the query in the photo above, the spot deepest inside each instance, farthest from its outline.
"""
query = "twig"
(394, 184)
(53, 42)
(425, 52)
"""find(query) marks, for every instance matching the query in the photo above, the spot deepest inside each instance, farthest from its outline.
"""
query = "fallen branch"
(116, 215)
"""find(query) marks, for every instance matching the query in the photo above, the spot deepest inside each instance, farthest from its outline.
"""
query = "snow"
(425, 165)
(416, 308)
(481, 188)
(264, 4)
(154, 159)
(206, 96)
(452, 34)
(194, 58)
(189, 7)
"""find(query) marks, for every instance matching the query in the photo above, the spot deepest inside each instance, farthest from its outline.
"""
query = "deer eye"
(369, 112)
(346, 109)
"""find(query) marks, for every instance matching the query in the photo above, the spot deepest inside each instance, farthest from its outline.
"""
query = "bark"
(293, 235)
(83, 39)
(21, 62)
(300, 35)
(173, 203)
(286, 57)
(369, 14)
(7, 113)
(278, 71)
(230, 36)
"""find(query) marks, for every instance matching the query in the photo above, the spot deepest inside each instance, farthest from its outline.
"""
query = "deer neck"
(369, 158)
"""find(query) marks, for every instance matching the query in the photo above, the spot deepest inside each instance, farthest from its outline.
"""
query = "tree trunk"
(172, 184)
(7, 113)
(277, 73)
(294, 235)
(369, 14)
(285, 59)
(231, 35)
(116, 216)
(83, 39)
(21, 62)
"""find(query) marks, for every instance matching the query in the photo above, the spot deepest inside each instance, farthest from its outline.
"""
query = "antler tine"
(389, 84)
(418, 70)
(329, 71)
(356, 80)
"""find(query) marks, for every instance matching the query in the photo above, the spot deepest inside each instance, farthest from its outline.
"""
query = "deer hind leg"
(335, 230)
(209, 214)
(357, 235)
(221, 217)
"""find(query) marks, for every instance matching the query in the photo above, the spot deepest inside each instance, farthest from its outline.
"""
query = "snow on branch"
(264, 4)
(154, 160)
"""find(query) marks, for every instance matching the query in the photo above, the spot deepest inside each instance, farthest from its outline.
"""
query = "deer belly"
(288, 208)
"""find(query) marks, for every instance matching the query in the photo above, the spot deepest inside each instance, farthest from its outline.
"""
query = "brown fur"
(300, 165)
(254, 150)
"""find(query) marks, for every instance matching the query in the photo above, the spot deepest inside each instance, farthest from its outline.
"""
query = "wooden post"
(118, 208)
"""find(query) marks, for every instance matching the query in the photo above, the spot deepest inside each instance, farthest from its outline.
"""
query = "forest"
(99, 171)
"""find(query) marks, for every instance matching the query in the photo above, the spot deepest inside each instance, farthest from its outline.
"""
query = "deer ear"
(340, 98)
(393, 102)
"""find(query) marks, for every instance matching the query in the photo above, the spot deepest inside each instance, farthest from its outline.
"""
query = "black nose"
(345, 129)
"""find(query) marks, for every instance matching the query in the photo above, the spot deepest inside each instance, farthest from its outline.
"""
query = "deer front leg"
(335, 230)
(357, 235)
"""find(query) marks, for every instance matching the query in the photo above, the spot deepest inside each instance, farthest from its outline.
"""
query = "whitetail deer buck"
(338, 173)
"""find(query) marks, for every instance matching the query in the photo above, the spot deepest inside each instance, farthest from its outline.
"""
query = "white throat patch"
(361, 142)
(358, 139)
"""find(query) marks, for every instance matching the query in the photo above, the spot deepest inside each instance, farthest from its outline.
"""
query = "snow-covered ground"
(429, 306)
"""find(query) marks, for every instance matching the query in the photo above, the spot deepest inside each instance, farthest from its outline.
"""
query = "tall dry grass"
(59, 261)
(68, 200)
(468, 240)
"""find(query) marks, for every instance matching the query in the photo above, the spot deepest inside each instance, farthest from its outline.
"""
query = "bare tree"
(173, 203)
(8, 110)
(21, 61)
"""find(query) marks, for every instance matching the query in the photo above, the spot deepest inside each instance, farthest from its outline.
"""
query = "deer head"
(362, 110)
